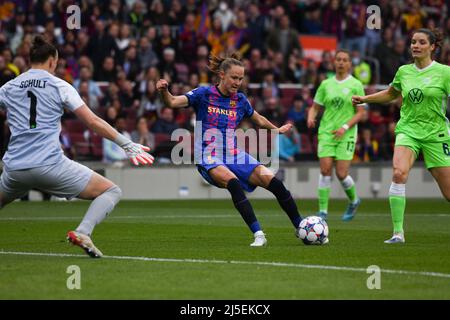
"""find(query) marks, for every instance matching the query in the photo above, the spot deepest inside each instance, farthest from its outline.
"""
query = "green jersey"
(425, 94)
(336, 97)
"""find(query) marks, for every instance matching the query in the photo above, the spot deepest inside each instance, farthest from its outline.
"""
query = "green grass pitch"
(200, 250)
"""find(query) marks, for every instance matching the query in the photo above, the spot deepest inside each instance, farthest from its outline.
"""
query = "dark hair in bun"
(42, 50)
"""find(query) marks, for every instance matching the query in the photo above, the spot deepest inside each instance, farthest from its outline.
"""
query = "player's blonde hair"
(217, 64)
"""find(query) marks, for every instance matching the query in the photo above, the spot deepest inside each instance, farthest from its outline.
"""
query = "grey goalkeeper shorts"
(65, 179)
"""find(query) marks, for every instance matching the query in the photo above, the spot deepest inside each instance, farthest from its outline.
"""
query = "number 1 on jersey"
(33, 103)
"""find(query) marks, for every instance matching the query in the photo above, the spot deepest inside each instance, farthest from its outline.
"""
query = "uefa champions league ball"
(313, 230)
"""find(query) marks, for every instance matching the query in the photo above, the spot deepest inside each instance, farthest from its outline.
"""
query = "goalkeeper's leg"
(105, 195)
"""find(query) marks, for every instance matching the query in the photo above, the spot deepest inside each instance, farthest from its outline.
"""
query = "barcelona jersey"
(218, 116)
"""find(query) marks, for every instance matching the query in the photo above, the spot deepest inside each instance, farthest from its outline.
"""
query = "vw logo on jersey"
(415, 95)
(337, 102)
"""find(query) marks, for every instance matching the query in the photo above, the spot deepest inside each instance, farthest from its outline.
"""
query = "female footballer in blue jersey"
(220, 108)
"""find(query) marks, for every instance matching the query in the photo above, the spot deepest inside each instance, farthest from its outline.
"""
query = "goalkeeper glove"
(137, 153)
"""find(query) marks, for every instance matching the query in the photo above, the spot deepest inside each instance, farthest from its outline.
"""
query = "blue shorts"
(242, 166)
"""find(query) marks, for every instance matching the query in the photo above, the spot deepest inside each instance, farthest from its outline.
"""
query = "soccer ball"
(313, 230)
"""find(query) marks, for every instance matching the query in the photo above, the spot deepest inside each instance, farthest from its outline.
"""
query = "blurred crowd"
(124, 46)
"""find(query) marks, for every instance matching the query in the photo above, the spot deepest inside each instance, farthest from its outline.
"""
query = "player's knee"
(223, 182)
(221, 179)
(117, 191)
(341, 175)
(233, 184)
(400, 175)
(276, 183)
(325, 172)
(114, 193)
(236, 191)
(265, 181)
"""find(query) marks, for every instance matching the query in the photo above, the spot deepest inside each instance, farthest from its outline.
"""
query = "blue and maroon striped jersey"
(219, 116)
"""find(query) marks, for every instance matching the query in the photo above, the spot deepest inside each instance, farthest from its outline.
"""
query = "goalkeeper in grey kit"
(34, 102)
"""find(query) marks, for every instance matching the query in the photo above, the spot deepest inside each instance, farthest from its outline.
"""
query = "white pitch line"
(198, 216)
(119, 217)
(254, 263)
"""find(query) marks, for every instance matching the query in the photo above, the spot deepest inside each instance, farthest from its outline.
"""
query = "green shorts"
(435, 154)
(337, 149)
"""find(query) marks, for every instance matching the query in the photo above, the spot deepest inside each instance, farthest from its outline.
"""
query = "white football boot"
(398, 237)
(260, 239)
(85, 243)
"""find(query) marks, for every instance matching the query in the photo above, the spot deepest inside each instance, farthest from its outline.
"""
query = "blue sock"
(285, 200)
(242, 204)
(255, 227)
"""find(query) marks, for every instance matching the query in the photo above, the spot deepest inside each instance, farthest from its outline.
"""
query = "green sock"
(324, 194)
(398, 204)
(351, 193)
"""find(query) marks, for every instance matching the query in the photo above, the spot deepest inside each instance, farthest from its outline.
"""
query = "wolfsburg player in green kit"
(423, 127)
(337, 132)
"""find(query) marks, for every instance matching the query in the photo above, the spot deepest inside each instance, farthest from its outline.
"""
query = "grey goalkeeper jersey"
(34, 103)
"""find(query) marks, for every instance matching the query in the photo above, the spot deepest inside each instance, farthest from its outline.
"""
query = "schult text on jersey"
(36, 83)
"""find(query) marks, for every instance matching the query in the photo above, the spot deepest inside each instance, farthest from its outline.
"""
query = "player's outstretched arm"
(136, 153)
(384, 96)
(262, 122)
(169, 100)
